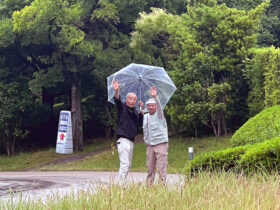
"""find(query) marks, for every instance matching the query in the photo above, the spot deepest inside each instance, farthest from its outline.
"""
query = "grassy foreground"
(205, 191)
(218, 190)
(177, 156)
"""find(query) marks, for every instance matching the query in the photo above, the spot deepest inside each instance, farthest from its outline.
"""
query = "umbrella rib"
(146, 72)
(145, 84)
(130, 82)
(160, 81)
(126, 74)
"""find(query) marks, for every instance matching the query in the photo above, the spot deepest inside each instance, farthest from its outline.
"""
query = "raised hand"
(153, 91)
(116, 85)
(141, 104)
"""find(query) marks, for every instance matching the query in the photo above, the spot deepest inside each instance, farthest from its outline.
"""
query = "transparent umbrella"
(139, 78)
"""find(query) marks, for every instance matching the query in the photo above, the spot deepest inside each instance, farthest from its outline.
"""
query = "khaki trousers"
(157, 156)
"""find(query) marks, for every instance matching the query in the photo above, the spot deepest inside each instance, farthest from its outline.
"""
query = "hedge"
(261, 127)
(248, 158)
(210, 161)
(263, 155)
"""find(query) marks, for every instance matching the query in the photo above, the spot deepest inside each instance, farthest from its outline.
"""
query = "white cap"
(151, 101)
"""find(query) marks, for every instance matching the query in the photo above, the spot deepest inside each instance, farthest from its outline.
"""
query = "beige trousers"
(157, 157)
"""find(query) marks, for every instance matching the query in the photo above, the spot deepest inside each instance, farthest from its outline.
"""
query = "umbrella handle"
(140, 78)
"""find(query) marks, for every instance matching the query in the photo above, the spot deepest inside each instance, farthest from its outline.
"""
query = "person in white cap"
(156, 139)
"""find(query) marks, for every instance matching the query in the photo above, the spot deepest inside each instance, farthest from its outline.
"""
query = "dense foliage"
(204, 50)
(56, 54)
(65, 50)
(263, 75)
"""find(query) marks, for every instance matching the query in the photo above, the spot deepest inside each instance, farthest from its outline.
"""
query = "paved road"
(41, 185)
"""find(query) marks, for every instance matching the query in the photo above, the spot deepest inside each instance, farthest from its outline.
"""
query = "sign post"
(64, 142)
(190, 153)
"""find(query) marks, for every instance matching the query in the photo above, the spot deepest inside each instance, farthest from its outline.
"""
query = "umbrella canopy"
(139, 79)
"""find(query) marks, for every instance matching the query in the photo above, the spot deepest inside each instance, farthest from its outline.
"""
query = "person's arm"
(159, 112)
(116, 87)
(141, 105)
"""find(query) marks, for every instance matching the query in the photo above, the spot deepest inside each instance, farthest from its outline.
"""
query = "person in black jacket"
(128, 121)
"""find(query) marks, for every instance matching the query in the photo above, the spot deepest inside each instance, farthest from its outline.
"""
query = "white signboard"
(64, 142)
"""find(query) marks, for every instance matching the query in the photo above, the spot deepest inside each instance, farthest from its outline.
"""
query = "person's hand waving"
(153, 92)
(116, 85)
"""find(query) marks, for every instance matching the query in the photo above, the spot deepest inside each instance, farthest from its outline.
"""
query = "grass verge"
(177, 156)
(26, 161)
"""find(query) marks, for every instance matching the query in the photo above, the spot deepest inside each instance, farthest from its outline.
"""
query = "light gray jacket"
(155, 127)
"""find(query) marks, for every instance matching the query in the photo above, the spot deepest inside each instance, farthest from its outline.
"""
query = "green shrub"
(261, 127)
(263, 155)
(224, 159)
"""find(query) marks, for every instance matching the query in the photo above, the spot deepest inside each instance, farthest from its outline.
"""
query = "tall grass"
(204, 191)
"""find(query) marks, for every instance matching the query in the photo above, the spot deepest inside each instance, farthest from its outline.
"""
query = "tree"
(223, 36)
(50, 31)
(15, 102)
(112, 23)
(263, 75)
(205, 49)
(254, 73)
(270, 27)
(67, 48)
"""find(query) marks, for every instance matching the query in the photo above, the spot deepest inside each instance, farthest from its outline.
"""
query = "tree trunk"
(216, 124)
(224, 125)
(10, 147)
(213, 124)
(108, 132)
(219, 124)
(77, 123)
(195, 133)
(109, 127)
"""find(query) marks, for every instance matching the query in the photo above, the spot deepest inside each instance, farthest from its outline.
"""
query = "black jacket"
(128, 120)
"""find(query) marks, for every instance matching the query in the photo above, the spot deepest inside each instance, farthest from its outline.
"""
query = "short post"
(64, 142)
(190, 153)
